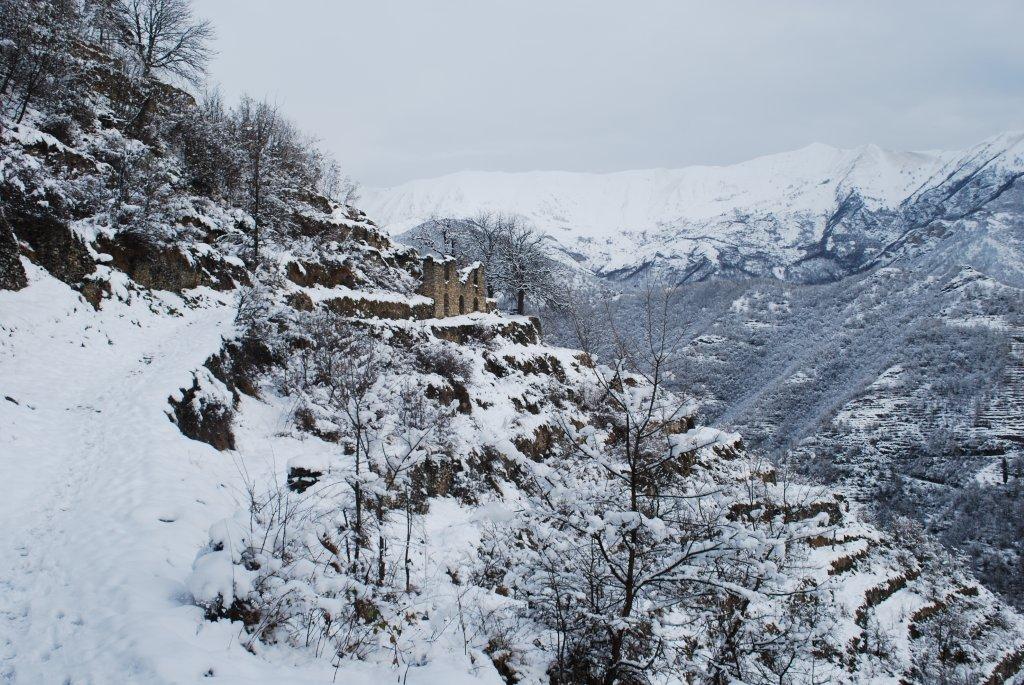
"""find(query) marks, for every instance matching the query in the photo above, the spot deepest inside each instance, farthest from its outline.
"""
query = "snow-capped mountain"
(813, 214)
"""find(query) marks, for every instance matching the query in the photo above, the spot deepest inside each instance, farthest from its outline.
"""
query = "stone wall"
(455, 289)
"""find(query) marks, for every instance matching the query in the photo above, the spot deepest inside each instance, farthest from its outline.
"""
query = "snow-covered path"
(100, 507)
(104, 503)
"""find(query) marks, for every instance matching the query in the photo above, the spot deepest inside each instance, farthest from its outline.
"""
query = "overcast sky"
(403, 89)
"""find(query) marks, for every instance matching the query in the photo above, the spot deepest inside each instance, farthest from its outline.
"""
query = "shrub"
(445, 362)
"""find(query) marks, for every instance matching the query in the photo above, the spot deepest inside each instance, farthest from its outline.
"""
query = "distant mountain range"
(812, 215)
(856, 314)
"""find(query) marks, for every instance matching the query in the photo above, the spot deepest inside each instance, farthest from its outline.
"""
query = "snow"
(699, 437)
(598, 206)
(29, 136)
(116, 525)
(466, 271)
(321, 294)
(616, 221)
(102, 497)
(105, 503)
(583, 210)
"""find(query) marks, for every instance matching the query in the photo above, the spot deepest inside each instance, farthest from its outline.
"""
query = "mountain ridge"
(813, 214)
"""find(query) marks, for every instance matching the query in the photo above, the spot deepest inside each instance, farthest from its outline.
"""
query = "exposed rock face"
(12, 274)
(523, 332)
(238, 364)
(205, 417)
(301, 479)
(166, 267)
(327, 274)
(54, 246)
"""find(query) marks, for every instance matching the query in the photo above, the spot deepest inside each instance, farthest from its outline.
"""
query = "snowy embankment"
(104, 502)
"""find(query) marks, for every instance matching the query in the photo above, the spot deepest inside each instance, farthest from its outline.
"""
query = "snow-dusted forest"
(243, 438)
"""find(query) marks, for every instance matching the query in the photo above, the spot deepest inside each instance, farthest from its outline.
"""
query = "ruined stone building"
(454, 289)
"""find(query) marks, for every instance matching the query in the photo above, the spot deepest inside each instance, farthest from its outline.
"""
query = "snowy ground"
(104, 503)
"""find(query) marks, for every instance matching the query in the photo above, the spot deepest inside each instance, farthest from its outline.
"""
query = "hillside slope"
(237, 444)
(111, 501)
(905, 378)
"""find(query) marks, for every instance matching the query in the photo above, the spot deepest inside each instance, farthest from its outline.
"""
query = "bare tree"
(276, 164)
(163, 36)
(204, 141)
(486, 240)
(336, 184)
(511, 251)
(417, 430)
(525, 268)
(35, 52)
(258, 132)
(450, 232)
(343, 362)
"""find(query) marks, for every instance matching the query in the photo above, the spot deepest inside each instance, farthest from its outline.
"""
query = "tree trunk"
(521, 302)
(138, 122)
(30, 91)
(9, 77)
(359, 514)
(257, 190)
(629, 584)
(408, 540)
(381, 543)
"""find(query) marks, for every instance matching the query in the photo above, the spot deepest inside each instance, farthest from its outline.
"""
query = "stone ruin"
(454, 289)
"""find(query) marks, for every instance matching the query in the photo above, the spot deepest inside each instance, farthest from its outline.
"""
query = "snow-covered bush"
(444, 361)
(330, 568)
(643, 547)
(143, 192)
(279, 568)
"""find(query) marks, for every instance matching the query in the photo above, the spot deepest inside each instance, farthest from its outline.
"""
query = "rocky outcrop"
(521, 332)
(12, 274)
(52, 244)
(301, 479)
(158, 266)
(204, 417)
(324, 273)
